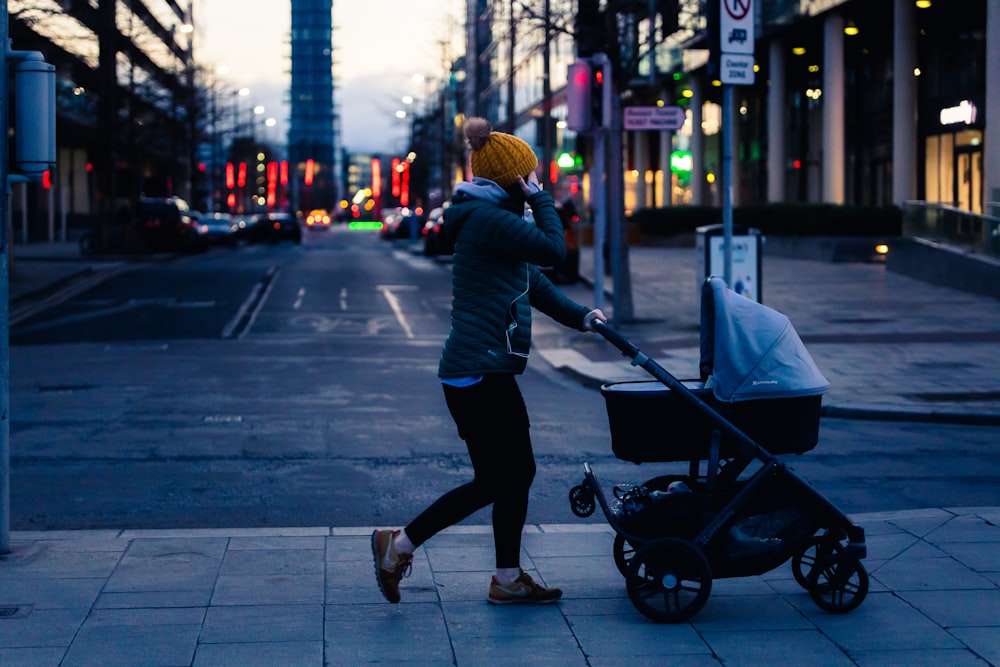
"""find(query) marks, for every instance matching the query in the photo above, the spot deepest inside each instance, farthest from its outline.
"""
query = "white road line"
(253, 300)
(23, 312)
(227, 330)
(273, 272)
(343, 298)
(390, 297)
(298, 299)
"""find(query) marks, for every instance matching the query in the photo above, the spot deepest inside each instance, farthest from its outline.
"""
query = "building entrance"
(953, 169)
(968, 181)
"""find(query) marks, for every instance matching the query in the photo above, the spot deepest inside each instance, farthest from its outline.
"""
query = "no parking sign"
(736, 26)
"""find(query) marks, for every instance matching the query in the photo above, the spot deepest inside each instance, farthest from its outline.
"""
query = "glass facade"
(127, 105)
(839, 91)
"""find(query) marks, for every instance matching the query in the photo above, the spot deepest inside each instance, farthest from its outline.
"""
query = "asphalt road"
(285, 385)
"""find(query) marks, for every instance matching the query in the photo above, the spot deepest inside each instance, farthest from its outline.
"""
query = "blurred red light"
(376, 177)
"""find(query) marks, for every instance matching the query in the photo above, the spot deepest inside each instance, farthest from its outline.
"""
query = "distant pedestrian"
(495, 283)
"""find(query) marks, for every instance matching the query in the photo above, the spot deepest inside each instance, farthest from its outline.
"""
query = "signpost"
(736, 65)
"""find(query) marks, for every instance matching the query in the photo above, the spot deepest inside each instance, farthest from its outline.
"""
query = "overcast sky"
(379, 45)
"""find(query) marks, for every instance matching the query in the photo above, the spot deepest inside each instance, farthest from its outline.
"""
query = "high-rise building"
(311, 134)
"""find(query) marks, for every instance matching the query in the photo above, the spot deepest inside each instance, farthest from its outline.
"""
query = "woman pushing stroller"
(495, 284)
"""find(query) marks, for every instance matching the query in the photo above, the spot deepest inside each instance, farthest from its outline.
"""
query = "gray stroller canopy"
(752, 351)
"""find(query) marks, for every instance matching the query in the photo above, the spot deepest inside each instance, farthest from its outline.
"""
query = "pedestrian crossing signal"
(584, 96)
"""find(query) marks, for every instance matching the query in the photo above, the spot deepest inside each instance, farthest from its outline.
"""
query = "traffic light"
(578, 92)
(584, 96)
(597, 96)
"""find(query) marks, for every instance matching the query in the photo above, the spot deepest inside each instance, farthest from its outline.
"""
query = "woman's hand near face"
(531, 186)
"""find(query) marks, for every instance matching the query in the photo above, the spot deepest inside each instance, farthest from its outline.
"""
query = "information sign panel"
(653, 118)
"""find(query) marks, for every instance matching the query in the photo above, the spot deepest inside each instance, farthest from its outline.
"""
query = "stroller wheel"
(623, 554)
(838, 583)
(819, 549)
(581, 500)
(669, 580)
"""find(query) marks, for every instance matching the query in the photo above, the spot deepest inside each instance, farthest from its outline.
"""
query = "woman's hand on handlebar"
(591, 317)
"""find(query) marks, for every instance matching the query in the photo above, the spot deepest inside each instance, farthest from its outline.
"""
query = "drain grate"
(8, 612)
(65, 387)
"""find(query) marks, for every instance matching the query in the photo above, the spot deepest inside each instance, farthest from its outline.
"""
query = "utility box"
(35, 117)
(746, 274)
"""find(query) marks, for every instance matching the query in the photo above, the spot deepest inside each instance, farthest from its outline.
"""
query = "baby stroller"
(737, 510)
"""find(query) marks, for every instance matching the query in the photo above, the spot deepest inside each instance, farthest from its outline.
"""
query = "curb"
(839, 411)
(963, 418)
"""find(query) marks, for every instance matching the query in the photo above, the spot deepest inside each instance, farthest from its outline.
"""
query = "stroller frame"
(725, 526)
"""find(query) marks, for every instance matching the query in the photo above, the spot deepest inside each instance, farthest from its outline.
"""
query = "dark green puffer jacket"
(495, 280)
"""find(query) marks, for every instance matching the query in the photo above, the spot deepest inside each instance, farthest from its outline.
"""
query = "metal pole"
(623, 311)
(727, 183)
(598, 201)
(598, 194)
(4, 298)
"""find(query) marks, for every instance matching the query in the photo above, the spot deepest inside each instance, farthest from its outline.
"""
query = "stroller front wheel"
(669, 580)
(819, 549)
(838, 584)
(581, 500)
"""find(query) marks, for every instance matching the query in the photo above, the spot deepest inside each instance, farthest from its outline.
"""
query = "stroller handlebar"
(615, 338)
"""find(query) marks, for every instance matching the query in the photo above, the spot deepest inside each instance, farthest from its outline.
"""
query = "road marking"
(21, 313)
(343, 298)
(69, 319)
(245, 316)
(298, 299)
(418, 262)
(390, 297)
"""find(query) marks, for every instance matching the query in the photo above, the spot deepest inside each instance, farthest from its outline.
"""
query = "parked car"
(275, 227)
(318, 219)
(217, 229)
(392, 218)
(397, 225)
(436, 242)
(243, 227)
(166, 224)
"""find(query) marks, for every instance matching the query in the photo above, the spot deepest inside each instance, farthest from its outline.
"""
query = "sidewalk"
(891, 347)
(307, 596)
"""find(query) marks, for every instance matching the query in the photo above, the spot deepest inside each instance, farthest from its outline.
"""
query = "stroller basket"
(651, 423)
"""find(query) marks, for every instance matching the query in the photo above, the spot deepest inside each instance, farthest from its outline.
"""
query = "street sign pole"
(736, 46)
(727, 184)
(4, 300)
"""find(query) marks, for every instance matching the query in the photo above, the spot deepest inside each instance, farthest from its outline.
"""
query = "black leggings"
(493, 421)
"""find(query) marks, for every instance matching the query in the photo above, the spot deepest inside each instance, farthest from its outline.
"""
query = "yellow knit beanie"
(498, 156)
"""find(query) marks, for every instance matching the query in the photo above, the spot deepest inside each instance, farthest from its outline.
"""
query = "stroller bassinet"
(758, 395)
(755, 371)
